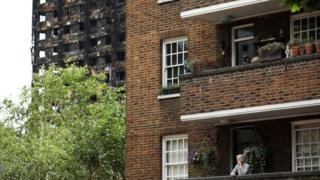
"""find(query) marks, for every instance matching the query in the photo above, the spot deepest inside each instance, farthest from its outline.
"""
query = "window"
(243, 48)
(93, 42)
(306, 145)
(81, 45)
(108, 39)
(66, 29)
(55, 31)
(42, 18)
(93, 23)
(42, 36)
(42, 1)
(175, 157)
(55, 50)
(42, 54)
(66, 11)
(305, 26)
(66, 47)
(175, 54)
(81, 26)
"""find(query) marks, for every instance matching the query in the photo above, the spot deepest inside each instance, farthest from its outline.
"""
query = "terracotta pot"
(309, 48)
(317, 47)
(302, 50)
(294, 50)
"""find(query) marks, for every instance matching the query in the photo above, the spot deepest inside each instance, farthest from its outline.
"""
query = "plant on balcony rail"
(256, 157)
(271, 50)
(202, 156)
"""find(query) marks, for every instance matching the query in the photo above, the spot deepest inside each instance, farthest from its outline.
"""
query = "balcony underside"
(235, 10)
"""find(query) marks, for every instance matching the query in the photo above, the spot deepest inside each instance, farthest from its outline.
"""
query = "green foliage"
(72, 129)
(170, 90)
(272, 47)
(204, 156)
(256, 157)
(299, 5)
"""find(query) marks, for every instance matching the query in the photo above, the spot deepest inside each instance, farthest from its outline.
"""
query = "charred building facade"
(88, 32)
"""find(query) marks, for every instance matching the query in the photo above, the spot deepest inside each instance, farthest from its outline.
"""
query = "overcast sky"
(15, 43)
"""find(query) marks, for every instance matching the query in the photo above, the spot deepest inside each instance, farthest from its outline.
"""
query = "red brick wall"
(149, 119)
(193, 4)
(255, 86)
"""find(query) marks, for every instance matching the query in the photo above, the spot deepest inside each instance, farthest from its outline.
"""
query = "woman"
(241, 168)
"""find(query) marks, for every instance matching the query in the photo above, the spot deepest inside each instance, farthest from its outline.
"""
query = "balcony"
(269, 90)
(267, 176)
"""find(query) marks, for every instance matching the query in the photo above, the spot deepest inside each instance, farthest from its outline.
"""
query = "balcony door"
(243, 49)
(242, 138)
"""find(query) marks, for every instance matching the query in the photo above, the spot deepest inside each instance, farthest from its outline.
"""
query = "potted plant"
(202, 156)
(294, 48)
(317, 44)
(308, 45)
(170, 90)
(256, 157)
(271, 50)
(194, 65)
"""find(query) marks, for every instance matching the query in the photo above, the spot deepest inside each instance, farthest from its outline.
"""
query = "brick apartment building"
(89, 32)
(231, 103)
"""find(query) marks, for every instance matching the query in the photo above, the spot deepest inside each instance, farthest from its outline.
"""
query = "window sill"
(169, 96)
(164, 1)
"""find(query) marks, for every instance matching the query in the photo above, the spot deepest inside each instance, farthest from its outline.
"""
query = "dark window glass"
(66, 29)
(81, 26)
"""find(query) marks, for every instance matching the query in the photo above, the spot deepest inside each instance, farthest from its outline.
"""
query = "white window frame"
(42, 1)
(164, 165)
(163, 1)
(293, 137)
(234, 41)
(42, 54)
(299, 17)
(164, 43)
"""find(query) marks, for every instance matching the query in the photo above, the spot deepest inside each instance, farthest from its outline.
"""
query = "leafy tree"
(68, 125)
(298, 5)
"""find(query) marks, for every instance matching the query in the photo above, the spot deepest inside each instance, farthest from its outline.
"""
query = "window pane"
(169, 75)
(174, 47)
(180, 58)
(181, 171)
(168, 47)
(314, 150)
(318, 34)
(174, 60)
(306, 136)
(169, 171)
(312, 22)
(312, 35)
(175, 171)
(180, 144)
(304, 24)
(175, 71)
(176, 82)
(296, 26)
(180, 46)
(168, 158)
(315, 161)
(186, 45)
(180, 157)
(168, 60)
(181, 70)
(308, 162)
(174, 145)
(299, 151)
(244, 51)
(297, 36)
(318, 22)
(306, 150)
(186, 144)
(304, 35)
(300, 162)
(299, 137)
(168, 145)
(244, 32)
(314, 135)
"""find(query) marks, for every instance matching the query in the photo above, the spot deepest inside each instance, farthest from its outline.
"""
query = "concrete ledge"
(267, 176)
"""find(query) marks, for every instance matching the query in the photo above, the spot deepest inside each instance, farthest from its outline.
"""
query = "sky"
(15, 44)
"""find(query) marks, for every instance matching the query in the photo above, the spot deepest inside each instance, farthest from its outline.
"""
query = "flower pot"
(294, 50)
(317, 47)
(302, 51)
(309, 48)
